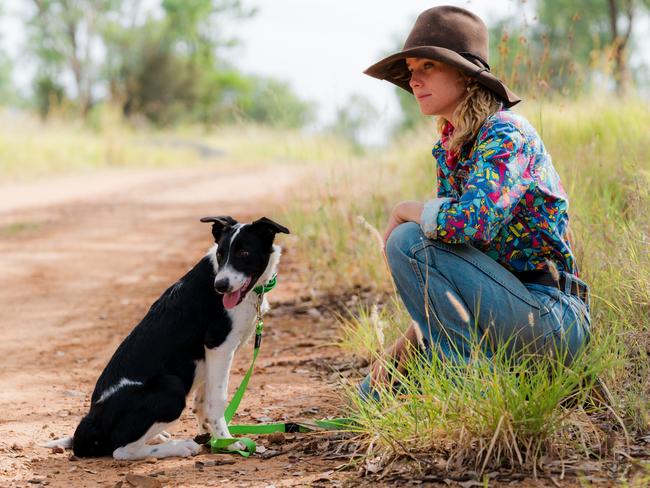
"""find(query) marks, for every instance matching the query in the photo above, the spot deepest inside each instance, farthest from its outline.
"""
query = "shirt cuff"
(429, 217)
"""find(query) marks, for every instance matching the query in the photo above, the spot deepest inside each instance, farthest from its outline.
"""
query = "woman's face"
(438, 88)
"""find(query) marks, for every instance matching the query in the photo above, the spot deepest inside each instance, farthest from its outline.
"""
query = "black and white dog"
(185, 343)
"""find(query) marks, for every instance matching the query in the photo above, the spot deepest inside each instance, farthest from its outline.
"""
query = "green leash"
(220, 445)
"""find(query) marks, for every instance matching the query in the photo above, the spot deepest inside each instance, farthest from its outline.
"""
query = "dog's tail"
(64, 442)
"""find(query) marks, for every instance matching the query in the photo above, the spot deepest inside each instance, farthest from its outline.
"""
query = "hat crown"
(452, 28)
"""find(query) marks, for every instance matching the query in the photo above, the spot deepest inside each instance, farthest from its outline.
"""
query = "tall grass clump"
(491, 412)
(599, 148)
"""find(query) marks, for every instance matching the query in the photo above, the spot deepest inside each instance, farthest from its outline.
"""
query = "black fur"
(162, 350)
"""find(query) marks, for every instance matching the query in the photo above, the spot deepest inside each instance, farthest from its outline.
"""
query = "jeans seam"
(425, 295)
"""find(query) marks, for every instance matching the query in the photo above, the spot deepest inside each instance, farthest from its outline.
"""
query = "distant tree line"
(562, 48)
(165, 63)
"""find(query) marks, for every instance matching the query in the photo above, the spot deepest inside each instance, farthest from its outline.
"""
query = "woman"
(490, 257)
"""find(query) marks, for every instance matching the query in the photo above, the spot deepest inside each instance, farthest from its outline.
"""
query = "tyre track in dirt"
(80, 271)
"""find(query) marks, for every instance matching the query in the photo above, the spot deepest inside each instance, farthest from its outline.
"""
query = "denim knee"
(401, 241)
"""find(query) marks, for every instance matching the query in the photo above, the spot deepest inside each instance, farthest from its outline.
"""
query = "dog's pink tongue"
(231, 300)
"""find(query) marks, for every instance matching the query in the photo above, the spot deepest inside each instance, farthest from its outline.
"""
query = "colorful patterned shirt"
(503, 196)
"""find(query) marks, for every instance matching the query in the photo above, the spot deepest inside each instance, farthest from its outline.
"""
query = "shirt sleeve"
(496, 183)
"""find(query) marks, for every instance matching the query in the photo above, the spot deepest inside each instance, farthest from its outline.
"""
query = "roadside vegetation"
(31, 148)
(500, 414)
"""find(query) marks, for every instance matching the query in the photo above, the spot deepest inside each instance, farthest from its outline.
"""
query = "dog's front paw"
(236, 446)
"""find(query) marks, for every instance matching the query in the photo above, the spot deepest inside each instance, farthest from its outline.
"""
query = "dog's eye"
(243, 253)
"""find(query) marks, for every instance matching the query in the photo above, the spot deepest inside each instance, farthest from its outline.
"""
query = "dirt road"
(82, 259)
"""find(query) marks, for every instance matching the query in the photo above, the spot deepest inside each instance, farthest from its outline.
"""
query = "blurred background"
(291, 63)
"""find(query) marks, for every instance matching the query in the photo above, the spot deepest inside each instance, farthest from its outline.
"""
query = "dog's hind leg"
(149, 410)
(198, 389)
(200, 410)
(140, 449)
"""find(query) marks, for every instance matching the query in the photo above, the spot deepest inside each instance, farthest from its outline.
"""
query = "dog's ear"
(219, 224)
(273, 227)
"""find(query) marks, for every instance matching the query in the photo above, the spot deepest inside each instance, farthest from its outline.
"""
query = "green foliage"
(47, 94)
(62, 34)
(167, 69)
(272, 102)
(568, 46)
(6, 88)
(356, 113)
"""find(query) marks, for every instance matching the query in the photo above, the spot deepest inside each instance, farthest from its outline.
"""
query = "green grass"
(32, 149)
(20, 227)
(600, 150)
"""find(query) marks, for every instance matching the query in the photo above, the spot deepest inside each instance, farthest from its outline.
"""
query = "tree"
(352, 117)
(167, 68)
(6, 88)
(63, 35)
(570, 38)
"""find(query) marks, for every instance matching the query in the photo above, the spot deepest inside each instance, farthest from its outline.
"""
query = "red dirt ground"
(82, 259)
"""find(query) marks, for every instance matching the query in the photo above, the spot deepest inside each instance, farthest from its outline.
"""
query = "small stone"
(314, 313)
(141, 481)
(270, 453)
(73, 458)
(73, 393)
(151, 460)
(276, 438)
(58, 450)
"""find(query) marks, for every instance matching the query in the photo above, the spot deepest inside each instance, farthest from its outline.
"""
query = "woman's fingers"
(378, 374)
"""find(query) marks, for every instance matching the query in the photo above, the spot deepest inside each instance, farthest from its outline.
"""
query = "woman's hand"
(397, 354)
(409, 211)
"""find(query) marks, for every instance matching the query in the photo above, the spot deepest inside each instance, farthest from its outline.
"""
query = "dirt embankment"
(82, 259)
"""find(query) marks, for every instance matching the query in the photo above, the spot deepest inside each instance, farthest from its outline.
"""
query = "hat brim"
(394, 69)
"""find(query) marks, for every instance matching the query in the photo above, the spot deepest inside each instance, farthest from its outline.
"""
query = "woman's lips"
(425, 95)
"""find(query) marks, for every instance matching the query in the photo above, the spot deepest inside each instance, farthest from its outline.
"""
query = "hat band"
(473, 58)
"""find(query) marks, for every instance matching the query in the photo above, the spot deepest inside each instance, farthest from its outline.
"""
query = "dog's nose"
(221, 285)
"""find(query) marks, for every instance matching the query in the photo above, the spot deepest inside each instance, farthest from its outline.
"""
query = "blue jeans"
(457, 295)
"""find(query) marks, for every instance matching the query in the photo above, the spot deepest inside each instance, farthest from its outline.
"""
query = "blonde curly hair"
(479, 103)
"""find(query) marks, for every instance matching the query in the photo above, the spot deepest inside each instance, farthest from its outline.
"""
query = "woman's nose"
(415, 81)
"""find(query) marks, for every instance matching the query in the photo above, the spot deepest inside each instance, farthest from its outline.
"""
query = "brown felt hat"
(453, 36)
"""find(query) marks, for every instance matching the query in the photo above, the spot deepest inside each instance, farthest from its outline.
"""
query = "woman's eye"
(428, 65)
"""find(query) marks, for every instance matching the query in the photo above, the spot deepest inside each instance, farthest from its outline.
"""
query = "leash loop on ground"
(222, 445)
